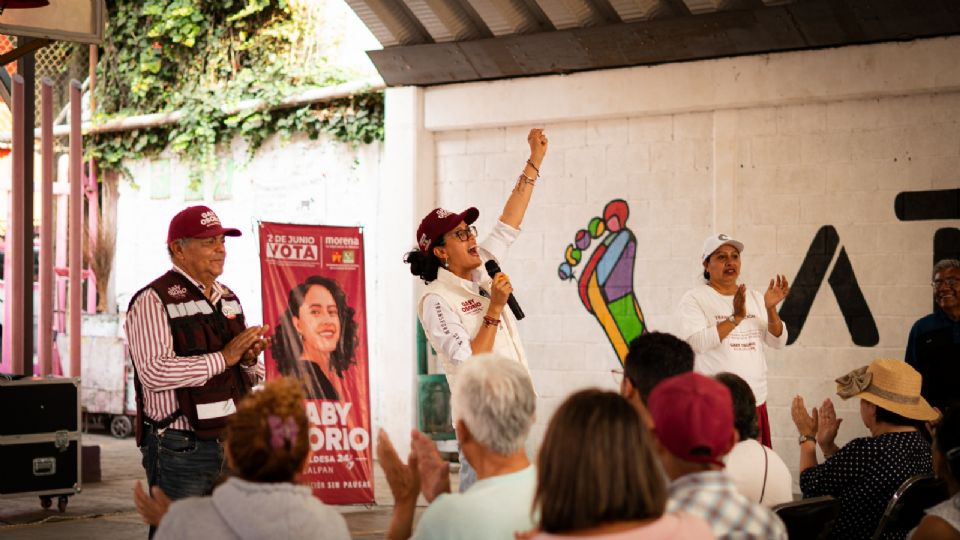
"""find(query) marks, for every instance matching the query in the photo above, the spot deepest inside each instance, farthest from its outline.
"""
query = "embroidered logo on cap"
(723, 237)
(441, 213)
(209, 219)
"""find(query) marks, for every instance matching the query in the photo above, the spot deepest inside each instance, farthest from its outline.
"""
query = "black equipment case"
(40, 437)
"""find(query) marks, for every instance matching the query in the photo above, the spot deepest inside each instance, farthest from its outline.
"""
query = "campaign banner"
(314, 299)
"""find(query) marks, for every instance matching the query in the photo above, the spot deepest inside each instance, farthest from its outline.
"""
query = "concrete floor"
(105, 510)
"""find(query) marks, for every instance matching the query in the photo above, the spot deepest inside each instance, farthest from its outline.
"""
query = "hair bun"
(423, 265)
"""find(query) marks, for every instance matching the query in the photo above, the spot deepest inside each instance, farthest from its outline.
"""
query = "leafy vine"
(203, 58)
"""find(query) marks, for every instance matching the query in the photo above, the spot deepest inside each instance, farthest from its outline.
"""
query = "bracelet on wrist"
(530, 163)
(524, 179)
(490, 321)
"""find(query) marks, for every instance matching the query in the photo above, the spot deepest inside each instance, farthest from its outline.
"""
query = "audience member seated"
(494, 404)
(769, 484)
(693, 418)
(865, 473)
(942, 522)
(652, 357)
(266, 446)
(598, 476)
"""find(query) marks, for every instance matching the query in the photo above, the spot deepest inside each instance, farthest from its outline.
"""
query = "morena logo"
(341, 241)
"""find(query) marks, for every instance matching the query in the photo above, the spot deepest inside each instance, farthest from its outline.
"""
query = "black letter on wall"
(842, 282)
(933, 205)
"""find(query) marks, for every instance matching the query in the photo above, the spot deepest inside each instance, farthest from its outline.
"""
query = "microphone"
(493, 269)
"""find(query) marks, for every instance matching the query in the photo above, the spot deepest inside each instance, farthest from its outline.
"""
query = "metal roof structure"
(430, 42)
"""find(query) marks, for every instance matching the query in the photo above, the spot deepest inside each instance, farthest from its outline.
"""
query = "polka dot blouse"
(863, 476)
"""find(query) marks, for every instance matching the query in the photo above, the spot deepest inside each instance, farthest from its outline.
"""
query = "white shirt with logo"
(451, 309)
(741, 352)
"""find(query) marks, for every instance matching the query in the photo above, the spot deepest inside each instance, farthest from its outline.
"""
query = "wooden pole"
(93, 193)
(76, 226)
(45, 323)
(15, 232)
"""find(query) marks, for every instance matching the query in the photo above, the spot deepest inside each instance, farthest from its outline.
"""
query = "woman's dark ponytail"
(422, 265)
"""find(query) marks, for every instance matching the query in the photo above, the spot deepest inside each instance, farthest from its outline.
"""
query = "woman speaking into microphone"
(462, 309)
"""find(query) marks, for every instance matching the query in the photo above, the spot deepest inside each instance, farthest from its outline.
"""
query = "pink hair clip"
(282, 432)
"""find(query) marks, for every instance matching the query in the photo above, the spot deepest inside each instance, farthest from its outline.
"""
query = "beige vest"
(471, 307)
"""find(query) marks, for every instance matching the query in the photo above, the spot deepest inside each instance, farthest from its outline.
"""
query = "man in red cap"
(693, 422)
(193, 357)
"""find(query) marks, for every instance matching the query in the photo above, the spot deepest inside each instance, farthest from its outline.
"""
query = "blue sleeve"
(910, 356)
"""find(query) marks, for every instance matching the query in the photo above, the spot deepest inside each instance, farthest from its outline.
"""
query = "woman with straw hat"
(866, 472)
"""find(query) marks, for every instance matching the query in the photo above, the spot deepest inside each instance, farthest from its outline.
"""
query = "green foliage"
(204, 58)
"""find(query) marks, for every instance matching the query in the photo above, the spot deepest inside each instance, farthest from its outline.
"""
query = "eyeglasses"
(949, 282)
(617, 375)
(465, 234)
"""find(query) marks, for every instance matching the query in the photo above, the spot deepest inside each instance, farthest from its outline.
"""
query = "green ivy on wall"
(203, 57)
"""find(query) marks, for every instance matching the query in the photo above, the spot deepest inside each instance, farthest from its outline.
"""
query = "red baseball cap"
(439, 222)
(197, 222)
(693, 417)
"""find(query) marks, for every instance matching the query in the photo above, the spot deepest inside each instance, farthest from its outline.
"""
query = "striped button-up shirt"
(712, 496)
(159, 368)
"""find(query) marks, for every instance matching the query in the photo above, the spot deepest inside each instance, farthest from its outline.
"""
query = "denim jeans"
(182, 465)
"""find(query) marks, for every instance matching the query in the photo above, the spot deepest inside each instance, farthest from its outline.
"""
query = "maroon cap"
(197, 222)
(693, 417)
(439, 222)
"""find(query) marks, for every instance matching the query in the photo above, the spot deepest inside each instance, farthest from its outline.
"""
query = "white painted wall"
(766, 148)
(301, 181)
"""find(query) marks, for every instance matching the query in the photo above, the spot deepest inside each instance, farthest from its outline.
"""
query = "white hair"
(494, 398)
(179, 242)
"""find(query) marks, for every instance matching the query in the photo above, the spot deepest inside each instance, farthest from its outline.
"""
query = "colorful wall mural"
(605, 285)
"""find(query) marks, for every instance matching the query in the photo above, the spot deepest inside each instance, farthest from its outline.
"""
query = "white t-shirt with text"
(741, 352)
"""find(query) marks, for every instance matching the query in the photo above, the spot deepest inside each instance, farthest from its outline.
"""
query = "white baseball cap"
(713, 242)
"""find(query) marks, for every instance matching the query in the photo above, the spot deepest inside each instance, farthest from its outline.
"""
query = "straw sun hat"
(891, 384)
